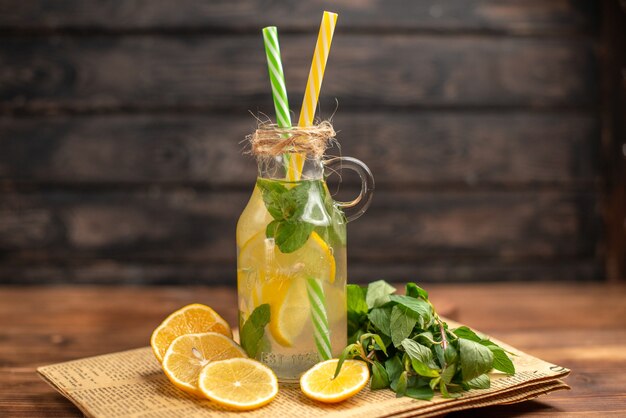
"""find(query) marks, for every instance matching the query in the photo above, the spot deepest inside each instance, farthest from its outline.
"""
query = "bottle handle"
(357, 207)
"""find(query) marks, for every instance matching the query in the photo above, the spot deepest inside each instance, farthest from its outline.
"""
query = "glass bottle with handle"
(291, 263)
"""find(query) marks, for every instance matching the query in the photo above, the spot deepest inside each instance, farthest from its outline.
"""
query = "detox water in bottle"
(291, 265)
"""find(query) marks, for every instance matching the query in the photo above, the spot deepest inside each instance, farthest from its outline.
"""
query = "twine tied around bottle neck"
(270, 140)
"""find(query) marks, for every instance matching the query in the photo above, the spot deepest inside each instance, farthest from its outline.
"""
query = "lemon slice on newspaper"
(190, 319)
(238, 383)
(188, 354)
(318, 382)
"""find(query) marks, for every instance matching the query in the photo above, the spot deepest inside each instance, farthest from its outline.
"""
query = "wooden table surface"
(581, 326)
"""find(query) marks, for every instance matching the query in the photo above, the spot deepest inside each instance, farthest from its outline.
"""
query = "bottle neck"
(276, 168)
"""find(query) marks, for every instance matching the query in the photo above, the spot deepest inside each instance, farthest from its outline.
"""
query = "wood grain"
(194, 225)
(41, 325)
(217, 72)
(426, 149)
(482, 121)
(508, 16)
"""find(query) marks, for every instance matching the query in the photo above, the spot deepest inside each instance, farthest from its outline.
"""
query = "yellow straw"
(313, 85)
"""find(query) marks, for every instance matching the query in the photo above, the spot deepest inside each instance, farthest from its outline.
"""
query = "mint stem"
(444, 340)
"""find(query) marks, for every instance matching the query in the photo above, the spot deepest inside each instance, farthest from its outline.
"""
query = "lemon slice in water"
(279, 279)
(289, 307)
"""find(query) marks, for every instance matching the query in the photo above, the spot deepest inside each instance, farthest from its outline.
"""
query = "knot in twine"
(270, 140)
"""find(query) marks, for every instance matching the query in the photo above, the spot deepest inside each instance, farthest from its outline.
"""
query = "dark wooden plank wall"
(120, 130)
(614, 137)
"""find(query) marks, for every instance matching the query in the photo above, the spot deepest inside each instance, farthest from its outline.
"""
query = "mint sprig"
(286, 206)
(411, 350)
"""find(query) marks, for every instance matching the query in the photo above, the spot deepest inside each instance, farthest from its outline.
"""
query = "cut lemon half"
(238, 383)
(318, 383)
(188, 354)
(191, 319)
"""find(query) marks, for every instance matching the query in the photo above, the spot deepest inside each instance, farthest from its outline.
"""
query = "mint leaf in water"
(253, 331)
(272, 192)
(283, 203)
(291, 235)
(286, 205)
(298, 197)
(270, 229)
(335, 232)
(378, 294)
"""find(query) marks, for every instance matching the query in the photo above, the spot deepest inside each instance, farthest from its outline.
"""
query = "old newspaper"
(131, 384)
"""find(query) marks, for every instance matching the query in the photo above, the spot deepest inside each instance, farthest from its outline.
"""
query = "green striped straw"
(315, 291)
(321, 330)
(277, 78)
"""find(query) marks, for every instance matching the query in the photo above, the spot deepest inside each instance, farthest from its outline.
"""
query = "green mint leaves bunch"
(411, 350)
